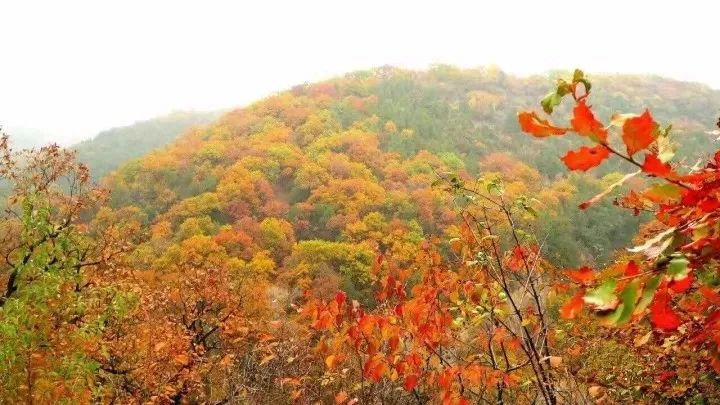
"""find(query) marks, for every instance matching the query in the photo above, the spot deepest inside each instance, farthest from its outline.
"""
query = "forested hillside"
(329, 157)
(389, 236)
(109, 149)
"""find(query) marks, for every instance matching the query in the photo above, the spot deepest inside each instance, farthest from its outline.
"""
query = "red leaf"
(445, 379)
(637, 133)
(632, 269)
(680, 286)
(585, 124)
(340, 298)
(710, 295)
(410, 382)
(572, 308)
(583, 275)
(662, 315)
(585, 158)
(533, 125)
(516, 260)
(655, 167)
(709, 204)
(666, 375)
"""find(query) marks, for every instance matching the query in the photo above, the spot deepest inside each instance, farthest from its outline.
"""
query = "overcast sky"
(73, 68)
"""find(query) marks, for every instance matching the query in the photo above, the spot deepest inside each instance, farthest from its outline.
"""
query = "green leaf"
(666, 191)
(628, 298)
(603, 298)
(550, 101)
(578, 75)
(495, 187)
(666, 148)
(678, 268)
(648, 294)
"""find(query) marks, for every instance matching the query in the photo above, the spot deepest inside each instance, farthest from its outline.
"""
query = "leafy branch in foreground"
(674, 273)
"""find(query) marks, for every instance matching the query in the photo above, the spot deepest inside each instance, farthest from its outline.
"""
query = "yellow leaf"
(643, 339)
(330, 361)
(266, 359)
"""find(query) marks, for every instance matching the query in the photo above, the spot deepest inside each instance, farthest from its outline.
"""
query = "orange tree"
(673, 272)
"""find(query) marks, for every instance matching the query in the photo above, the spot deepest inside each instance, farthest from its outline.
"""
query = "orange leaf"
(637, 132)
(182, 359)
(324, 320)
(367, 324)
(533, 125)
(375, 368)
(572, 308)
(655, 167)
(341, 397)
(585, 124)
(585, 158)
(516, 260)
(330, 361)
(583, 275)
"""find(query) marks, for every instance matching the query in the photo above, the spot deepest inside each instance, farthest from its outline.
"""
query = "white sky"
(73, 68)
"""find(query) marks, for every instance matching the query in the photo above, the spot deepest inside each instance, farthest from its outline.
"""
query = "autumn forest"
(389, 236)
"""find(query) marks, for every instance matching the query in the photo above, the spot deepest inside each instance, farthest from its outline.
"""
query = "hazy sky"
(73, 68)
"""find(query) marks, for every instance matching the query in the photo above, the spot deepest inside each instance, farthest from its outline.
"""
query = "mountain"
(305, 185)
(110, 148)
(389, 236)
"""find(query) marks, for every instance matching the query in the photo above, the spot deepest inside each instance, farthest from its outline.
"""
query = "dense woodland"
(389, 236)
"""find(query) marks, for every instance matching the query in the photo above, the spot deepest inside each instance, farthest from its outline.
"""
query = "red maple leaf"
(585, 124)
(585, 158)
(583, 275)
(655, 167)
(533, 125)
(662, 315)
(637, 133)
(572, 308)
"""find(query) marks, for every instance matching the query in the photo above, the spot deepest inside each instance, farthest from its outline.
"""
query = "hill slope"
(304, 186)
(109, 149)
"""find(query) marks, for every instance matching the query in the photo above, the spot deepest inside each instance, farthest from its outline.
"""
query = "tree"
(58, 295)
(471, 329)
(672, 273)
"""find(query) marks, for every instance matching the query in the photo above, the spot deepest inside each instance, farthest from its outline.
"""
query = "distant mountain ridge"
(110, 148)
